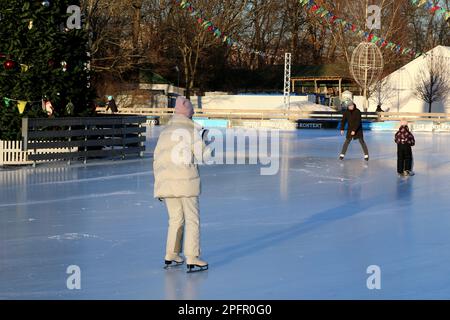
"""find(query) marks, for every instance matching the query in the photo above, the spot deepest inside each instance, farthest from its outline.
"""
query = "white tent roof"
(402, 83)
(409, 71)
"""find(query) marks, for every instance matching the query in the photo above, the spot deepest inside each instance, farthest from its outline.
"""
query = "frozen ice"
(309, 232)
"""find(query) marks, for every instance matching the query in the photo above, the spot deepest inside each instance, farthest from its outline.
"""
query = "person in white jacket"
(181, 147)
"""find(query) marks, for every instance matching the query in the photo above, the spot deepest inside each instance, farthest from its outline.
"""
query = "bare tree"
(382, 92)
(130, 36)
(193, 41)
(433, 82)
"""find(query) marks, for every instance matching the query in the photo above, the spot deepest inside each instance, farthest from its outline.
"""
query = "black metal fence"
(85, 138)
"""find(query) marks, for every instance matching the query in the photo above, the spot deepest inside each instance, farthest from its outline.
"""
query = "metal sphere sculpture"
(366, 66)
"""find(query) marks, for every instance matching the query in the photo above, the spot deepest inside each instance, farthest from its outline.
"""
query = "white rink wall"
(254, 102)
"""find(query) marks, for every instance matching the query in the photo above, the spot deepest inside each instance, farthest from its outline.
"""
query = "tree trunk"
(137, 6)
(429, 107)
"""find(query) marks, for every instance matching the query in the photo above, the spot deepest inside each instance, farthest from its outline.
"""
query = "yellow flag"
(24, 67)
(21, 105)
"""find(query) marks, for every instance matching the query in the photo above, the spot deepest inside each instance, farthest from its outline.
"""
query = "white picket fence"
(11, 153)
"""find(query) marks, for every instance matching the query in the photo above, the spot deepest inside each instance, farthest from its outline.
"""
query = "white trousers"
(183, 213)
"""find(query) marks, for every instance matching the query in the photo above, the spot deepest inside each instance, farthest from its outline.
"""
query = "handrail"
(293, 115)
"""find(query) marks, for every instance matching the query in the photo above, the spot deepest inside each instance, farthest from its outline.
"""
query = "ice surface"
(309, 232)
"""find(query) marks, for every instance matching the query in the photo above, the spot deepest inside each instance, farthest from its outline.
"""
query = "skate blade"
(172, 264)
(195, 268)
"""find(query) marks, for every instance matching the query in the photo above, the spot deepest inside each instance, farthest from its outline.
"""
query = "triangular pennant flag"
(7, 101)
(434, 9)
(21, 105)
(24, 67)
(324, 13)
(304, 2)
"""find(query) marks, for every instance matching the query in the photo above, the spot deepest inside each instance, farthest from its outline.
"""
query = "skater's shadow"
(347, 210)
(179, 286)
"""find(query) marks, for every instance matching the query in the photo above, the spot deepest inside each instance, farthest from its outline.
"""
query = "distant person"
(405, 141)
(111, 105)
(70, 108)
(181, 146)
(48, 107)
(352, 116)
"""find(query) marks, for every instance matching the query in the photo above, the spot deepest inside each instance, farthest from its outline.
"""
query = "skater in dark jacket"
(352, 116)
(405, 141)
(111, 105)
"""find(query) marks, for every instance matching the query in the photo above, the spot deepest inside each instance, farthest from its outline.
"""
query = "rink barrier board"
(84, 138)
(89, 132)
(212, 123)
(288, 114)
(417, 126)
(86, 154)
(116, 120)
(83, 143)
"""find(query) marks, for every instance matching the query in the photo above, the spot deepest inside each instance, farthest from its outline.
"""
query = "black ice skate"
(341, 157)
(173, 262)
(196, 265)
(366, 157)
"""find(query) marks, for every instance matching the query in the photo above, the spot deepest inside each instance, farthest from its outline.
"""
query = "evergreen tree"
(41, 58)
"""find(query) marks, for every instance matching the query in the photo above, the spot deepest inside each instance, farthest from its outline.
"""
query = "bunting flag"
(348, 26)
(21, 105)
(318, 11)
(7, 101)
(432, 8)
(215, 31)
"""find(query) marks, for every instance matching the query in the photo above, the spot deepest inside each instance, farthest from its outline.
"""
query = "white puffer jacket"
(179, 150)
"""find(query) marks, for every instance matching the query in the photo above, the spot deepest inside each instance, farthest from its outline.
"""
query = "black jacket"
(112, 105)
(354, 123)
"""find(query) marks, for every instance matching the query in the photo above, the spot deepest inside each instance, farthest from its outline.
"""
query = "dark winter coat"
(112, 105)
(404, 136)
(353, 118)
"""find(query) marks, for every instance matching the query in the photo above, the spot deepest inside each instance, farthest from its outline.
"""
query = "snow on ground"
(306, 106)
(309, 232)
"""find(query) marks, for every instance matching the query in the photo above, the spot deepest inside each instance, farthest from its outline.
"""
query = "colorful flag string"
(348, 26)
(432, 8)
(21, 104)
(218, 34)
(315, 9)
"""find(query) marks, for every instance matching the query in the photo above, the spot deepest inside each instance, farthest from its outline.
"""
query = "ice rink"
(309, 232)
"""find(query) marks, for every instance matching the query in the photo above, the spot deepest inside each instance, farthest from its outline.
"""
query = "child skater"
(405, 141)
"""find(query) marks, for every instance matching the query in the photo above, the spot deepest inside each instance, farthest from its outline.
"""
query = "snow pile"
(306, 106)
